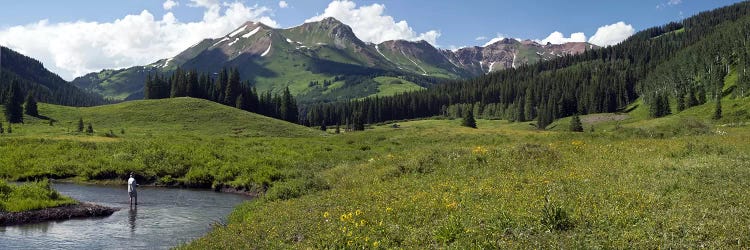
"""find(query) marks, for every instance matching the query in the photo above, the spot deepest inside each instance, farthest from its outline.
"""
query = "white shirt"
(131, 185)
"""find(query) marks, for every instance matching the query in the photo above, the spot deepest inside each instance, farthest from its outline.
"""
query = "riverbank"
(121, 182)
(81, 210)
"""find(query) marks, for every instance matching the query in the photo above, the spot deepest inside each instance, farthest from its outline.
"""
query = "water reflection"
(172, 217)
(132, 213)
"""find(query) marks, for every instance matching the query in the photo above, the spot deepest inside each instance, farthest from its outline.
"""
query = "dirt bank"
(82, 210)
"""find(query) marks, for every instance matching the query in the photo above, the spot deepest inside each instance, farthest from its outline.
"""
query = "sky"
(76, 37)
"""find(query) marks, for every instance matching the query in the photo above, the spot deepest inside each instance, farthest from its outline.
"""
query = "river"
(164, 218)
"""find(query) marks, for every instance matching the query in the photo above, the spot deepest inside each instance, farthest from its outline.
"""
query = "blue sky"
(81, 36)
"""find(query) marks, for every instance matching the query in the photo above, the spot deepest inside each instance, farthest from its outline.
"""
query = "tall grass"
(30, 196)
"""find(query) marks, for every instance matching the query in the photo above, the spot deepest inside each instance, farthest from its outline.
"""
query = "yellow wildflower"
(358, 212)
(479, 150)
(326, 215)
(452, 205)
(376, 244)
(388, 209)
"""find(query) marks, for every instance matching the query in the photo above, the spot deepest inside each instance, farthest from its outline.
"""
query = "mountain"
(510, 53)
(701, 60)
(45, 85)
(325, 61)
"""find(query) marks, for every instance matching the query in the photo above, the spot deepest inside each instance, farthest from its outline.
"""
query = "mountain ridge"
(326, 50)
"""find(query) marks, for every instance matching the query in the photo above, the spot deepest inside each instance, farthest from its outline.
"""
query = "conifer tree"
(221, 84)
(680, 103)
(690, 100)
(288, 107)
(717, 111)
(528, 108)
(520, 112)
(323, 126)
(468, 120)
(10, 128)
(659, 106)
(358, 122)
(80, 125)
(1, 128)
(192, 87)
(241, 103)
(232, 87)
(31, 107)
(13, 104)
(148, 87)
(575, 124)
(90, 129)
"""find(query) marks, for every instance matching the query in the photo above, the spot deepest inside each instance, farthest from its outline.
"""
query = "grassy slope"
(186, 141)
(441, 185)
(387, 86)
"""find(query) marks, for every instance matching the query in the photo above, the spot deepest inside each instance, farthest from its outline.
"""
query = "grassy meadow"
(674, 182)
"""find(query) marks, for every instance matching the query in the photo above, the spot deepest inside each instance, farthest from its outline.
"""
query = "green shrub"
(199, 177)
(31, 196)
(450, 230)
(295, 188)
(555, 217)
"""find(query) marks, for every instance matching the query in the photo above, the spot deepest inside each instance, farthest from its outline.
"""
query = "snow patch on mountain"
(381, 53)
(238, 31)
(167, 62)
(220, 41)
(490, 69)
(267, 50)
(233, 42)
(415, 63)
(251, 33)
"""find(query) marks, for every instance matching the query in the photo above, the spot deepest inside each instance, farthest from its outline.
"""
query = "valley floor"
(674, 182)
(503, 187)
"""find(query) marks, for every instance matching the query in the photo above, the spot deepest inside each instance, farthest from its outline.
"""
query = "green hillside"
(174, 116)
(46, 86)
(181, 141)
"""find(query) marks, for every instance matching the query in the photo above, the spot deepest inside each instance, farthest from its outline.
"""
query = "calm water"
(164, 218)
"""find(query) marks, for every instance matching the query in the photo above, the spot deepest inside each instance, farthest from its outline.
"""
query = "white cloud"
(480, 38)
(283, 4)
(498, 38)
(559, 38)
(169, 4)
(371, 25)
(455, 48)
(612, 34)
(669, 3)
(76, 48)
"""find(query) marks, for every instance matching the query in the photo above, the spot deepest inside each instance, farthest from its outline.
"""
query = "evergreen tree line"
(697, 74)
(599, 80)
(224, 87)
(33, 78)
